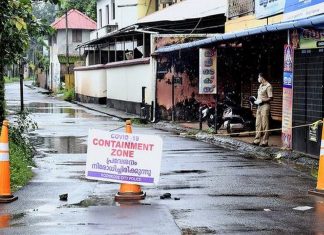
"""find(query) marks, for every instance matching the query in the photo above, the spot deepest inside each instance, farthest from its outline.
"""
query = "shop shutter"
(308, 98)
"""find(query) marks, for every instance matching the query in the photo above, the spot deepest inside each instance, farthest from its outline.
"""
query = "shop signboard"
(123, 158)
(265, 8)
(311, 38)
(287, 99)
(299, 9)
(207, 71)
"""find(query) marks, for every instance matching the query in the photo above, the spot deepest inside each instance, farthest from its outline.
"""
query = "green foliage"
(44, 11)
(72, 59)
(11, 80)
(19, 166)
(17, 26)
(86, 7)
(23, 125)
(69, 94)
(21, 150)
(43, 62)
(314, 172)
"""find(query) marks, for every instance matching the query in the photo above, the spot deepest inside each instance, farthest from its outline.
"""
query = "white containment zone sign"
(123, 158)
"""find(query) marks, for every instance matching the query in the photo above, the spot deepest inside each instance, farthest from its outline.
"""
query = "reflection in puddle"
(4, 220)
(319, 215)
(68, 144)
(55, 109)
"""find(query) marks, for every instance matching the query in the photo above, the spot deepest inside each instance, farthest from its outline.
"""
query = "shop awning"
(308, 22)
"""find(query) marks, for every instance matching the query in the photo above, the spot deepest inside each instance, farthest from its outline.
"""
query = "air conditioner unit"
(166, 1)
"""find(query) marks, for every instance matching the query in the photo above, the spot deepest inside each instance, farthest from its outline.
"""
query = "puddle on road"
(198, 230)
(69, 144)
(69, 163)
(167, 187)
(55, 109)
(245, 195)
(18, 216)
(6, 219)
(184, 172)
(107, 201)
(189, 171)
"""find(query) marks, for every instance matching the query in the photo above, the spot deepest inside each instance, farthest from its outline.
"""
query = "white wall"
(91, 83)
(53, 80)
(124, 16)
(125, 83)
(61, 41)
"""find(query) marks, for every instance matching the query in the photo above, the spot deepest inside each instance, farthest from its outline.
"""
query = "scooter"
(230, 116)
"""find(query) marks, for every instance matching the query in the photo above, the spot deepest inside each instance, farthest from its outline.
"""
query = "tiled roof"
(76, 20)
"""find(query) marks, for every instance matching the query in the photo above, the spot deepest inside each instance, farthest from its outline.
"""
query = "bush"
(20, 166)
(21, 150)
(69, 94)
(11, 80)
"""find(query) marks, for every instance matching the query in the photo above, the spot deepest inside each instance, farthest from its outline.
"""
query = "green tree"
(87, 7)
(17, 26)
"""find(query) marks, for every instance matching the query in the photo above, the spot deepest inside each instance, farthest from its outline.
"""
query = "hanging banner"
(299, 9)
(287, 99)
(207, 71)
(265, 8)
(123, 158)
(311, 38)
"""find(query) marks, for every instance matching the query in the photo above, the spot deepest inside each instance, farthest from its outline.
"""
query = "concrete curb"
(297, 160)
(99, 111)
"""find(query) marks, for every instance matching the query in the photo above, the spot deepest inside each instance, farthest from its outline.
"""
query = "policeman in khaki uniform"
(263, 112)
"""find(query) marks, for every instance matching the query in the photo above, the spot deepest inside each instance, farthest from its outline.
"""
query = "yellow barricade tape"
(314, 124)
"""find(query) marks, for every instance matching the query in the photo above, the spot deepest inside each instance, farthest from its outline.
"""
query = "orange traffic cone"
(5, 191)
(320, 177)
(129, 192)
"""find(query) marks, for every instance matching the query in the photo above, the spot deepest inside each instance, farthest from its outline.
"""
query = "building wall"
(61, 41)
(54, 69)
(145, 7)
(186, 90)
(125, 16)
(91, 82)
(59, 48)
(125, 83)
(249, 21)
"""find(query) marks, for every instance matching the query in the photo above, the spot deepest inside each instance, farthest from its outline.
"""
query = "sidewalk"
(274, 140)
(300, 161)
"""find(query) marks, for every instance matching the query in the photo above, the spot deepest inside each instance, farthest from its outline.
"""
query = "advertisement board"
(207, 71)
(311, 38)
(123, 158)
(299, 9)
(287, 99)
(265, 8)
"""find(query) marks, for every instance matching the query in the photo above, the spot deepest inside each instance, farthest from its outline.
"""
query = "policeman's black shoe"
(255, 143)
(263, 145)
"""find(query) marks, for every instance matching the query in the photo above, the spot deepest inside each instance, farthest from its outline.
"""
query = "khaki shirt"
(265, 91)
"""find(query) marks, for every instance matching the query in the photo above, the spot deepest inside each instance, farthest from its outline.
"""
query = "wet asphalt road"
(221, 191)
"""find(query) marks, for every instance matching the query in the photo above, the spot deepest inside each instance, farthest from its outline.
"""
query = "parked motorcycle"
(230, 115)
